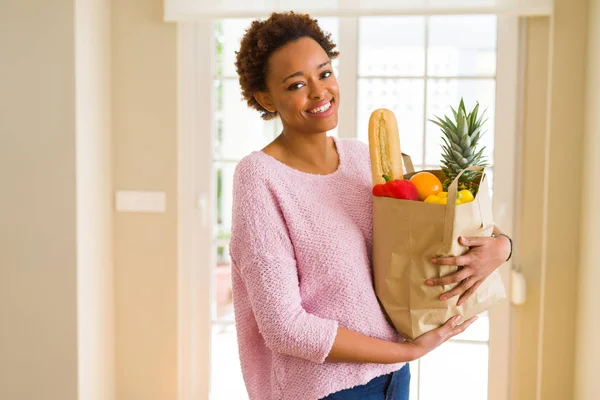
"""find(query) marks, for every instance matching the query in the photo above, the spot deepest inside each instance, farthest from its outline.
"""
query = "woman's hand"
(485, 255)
(432, 339)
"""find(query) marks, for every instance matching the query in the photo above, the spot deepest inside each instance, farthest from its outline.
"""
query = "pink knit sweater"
(301, 254)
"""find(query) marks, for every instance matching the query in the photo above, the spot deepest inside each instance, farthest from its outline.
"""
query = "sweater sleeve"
(262, 253)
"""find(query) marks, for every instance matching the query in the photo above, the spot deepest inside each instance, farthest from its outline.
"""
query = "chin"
(326, 125)
(331, 126)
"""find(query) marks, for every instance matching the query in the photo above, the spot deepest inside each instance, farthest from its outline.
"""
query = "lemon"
(466, 196)
(442, 195)
(444, 200)
(432, 199)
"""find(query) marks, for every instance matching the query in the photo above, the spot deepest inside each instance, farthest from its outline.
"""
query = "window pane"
(229, 34)
(479, 330)
(226, 375)
(405, 98)
(462, 45)
(222, 301)
(443, 93)
(239, 130)
(455, 371)
(391, 46)
(414, 380)
(224, 202)
(490, 173)
(330, 25)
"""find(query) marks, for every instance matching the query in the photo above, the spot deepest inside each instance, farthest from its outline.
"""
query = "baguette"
(384, 146)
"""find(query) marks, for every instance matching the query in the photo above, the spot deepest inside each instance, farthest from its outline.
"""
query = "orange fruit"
(426, 184)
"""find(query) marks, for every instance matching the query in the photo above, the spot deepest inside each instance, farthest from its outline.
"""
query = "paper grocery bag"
(406, 236)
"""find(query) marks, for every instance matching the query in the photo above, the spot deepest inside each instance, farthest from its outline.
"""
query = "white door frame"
(196, 200)
(506, 191)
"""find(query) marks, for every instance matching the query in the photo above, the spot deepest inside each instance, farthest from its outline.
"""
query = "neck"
(311, 149)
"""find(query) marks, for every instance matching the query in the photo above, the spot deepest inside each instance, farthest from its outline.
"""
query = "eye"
(296, 86)
(326, 74)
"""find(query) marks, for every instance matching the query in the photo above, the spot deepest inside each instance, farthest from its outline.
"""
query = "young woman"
(308, 322)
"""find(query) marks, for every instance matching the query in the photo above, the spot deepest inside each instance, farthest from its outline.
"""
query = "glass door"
(415, 65)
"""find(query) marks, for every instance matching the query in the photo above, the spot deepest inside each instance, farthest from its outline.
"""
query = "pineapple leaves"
(461, 133)
(473, 117)
(450, 124)
(454, 112)
(465, 142)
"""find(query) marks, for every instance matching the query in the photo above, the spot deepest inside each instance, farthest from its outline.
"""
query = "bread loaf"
(384, 146)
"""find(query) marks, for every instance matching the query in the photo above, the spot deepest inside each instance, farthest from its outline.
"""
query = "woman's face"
(302, 87)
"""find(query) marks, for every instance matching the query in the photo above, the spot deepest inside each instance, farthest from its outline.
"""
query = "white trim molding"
(348, 72)
(197, 10)
(195, 200)
(506, 178)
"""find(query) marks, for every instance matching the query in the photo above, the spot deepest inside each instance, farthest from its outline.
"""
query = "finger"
(468, 293)
(461, 328)
(455, 277)
(460, 260)
(472, 241)
(451, 323)
(445, 331)
(457, 290)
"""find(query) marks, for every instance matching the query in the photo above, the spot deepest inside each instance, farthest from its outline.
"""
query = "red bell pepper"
(382, 190)
(398, 189)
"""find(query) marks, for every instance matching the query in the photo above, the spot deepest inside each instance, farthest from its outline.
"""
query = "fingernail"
(443, 298)
(433, 260)
(429, 282)
(464, 240)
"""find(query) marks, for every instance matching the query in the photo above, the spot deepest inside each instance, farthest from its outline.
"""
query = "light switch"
(140, 201)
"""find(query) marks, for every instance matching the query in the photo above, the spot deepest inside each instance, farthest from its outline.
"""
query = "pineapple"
(461, 137)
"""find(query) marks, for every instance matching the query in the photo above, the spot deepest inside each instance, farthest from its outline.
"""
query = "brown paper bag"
(406, 236)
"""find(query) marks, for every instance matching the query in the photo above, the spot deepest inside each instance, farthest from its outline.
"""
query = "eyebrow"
(299, 73)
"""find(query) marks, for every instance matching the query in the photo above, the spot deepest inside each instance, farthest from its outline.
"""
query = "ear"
(265, 100)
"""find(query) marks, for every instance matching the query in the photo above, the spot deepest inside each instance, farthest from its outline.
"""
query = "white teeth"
(321, 109)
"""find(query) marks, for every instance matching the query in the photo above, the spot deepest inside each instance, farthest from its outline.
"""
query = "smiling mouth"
(321, 109)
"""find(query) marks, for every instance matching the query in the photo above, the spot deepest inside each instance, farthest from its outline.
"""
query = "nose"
(317, 90)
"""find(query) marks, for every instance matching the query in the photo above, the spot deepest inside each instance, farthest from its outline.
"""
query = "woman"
(308, 321)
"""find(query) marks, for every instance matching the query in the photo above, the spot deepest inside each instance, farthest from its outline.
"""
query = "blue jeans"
(394, 386)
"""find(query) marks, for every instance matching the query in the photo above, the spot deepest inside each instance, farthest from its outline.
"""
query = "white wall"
(56, 308)
(144, 83)
(38, 244)
(587, 362)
